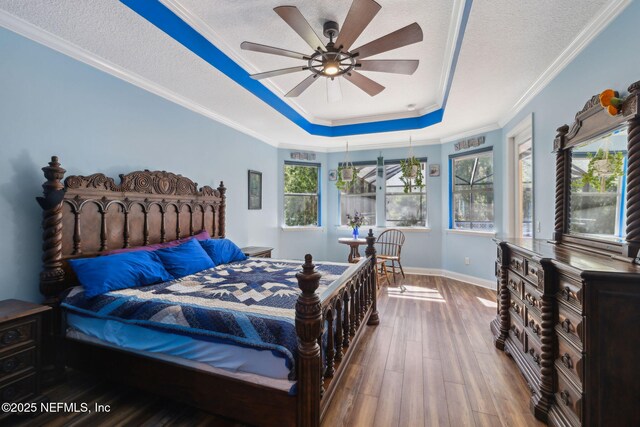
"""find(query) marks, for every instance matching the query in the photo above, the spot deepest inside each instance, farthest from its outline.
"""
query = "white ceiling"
(507, 48)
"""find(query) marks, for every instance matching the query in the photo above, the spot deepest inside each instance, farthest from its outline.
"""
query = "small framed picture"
(333, 175)
(255, 190)
(434, 169)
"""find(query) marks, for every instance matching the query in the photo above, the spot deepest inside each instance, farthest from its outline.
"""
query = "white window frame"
(423, 162)
(521, 134)
(318, 194)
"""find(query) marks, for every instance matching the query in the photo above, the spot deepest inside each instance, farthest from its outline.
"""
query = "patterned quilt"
(250, 303)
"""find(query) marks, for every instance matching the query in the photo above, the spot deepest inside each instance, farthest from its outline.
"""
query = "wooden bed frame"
(87, 215)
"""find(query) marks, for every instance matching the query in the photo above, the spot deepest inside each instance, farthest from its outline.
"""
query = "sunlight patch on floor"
(488, 303)
(416, 293)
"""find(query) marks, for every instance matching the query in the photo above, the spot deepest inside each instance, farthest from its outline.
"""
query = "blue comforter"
(250, 303)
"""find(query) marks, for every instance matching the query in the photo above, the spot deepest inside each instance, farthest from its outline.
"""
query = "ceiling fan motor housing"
(330, 30)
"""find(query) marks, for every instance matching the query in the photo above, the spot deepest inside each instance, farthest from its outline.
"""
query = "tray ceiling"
(507, 46)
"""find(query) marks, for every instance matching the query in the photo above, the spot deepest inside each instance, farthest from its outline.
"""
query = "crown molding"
(584, 38)
(450, 49)
(471, 132)
(45, 38)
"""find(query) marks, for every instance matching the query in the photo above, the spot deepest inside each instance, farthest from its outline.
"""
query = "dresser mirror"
(597, 202)
(597, 192)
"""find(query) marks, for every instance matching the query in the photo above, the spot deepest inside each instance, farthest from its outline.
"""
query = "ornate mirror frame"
(590, 122)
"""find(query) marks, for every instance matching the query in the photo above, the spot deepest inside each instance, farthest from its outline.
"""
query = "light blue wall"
(51, 104)
(610, 61)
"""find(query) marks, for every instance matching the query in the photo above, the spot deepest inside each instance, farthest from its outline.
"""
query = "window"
(404, 209)
(360, 195)
(301, 194)
(471, 201)
(524, 190)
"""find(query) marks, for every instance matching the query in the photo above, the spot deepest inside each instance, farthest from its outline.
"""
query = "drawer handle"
(10, 336)
(530, 299)
(536, 357)
(566, 399)
(566, 325)
(515, 330)
(566, 361)
(534, 327)
(566, 292)
(515, 307)
(10, 364)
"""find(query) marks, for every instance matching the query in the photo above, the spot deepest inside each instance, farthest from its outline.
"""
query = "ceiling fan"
(336, 58)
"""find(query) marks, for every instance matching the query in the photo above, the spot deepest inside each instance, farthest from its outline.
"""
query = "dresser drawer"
(516, 284)
(19, 389)
(568, 399)
(17, 333)
(535, 274)
(570, 360)
(516, 333)
(532, 298)
(533, 350)
(17, 362)
(517, 307)
(570, 325)
(570, 292)
(517, 263)
(533, 324)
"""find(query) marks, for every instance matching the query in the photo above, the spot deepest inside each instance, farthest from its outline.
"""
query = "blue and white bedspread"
(250, 303)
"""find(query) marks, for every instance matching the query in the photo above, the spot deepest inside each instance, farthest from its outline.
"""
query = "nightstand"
(257, 251)
(20, 347)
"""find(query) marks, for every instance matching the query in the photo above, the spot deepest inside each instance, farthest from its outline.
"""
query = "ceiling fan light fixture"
(331, 68)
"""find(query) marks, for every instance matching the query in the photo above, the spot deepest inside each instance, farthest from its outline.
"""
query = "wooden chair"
(389, 248)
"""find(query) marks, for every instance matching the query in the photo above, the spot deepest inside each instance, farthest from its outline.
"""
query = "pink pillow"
(201, 235)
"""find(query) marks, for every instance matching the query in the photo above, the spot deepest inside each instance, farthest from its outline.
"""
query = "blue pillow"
(222, 251)
(185, 259)
(109, 273)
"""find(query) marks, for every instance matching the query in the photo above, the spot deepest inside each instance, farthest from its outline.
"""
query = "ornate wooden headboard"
(87, 215)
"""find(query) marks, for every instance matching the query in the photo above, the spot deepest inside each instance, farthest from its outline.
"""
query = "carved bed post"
(52, 274)
(561, 170)
(632, 244)
(221, 228)
(309, 329)
(374, 319)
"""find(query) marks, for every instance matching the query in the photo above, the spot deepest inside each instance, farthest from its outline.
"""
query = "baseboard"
(476, 281)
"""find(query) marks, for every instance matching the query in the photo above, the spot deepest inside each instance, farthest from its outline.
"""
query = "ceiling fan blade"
(302, 86)
(397, 66)
(274, 73)
(402, 37)
(300, 25)
(364, 83)
(360, 15)
(334, 91)
(272, 50)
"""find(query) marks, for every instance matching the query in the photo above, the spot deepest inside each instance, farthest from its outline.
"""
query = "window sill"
(305, 228)
(376, 228)
(471, 232)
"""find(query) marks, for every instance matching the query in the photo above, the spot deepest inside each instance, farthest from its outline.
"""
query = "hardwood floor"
(430, 362)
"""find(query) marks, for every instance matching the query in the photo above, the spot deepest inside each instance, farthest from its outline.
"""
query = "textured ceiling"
(507, 46)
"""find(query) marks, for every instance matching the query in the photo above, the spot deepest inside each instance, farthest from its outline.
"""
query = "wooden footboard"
(328, 328)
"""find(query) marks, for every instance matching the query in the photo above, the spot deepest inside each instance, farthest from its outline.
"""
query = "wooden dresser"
(570, 319)
(20, 347)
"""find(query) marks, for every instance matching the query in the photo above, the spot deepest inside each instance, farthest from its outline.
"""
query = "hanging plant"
(603, 171)
(342, 182)
(412, 176)
(347, 173)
